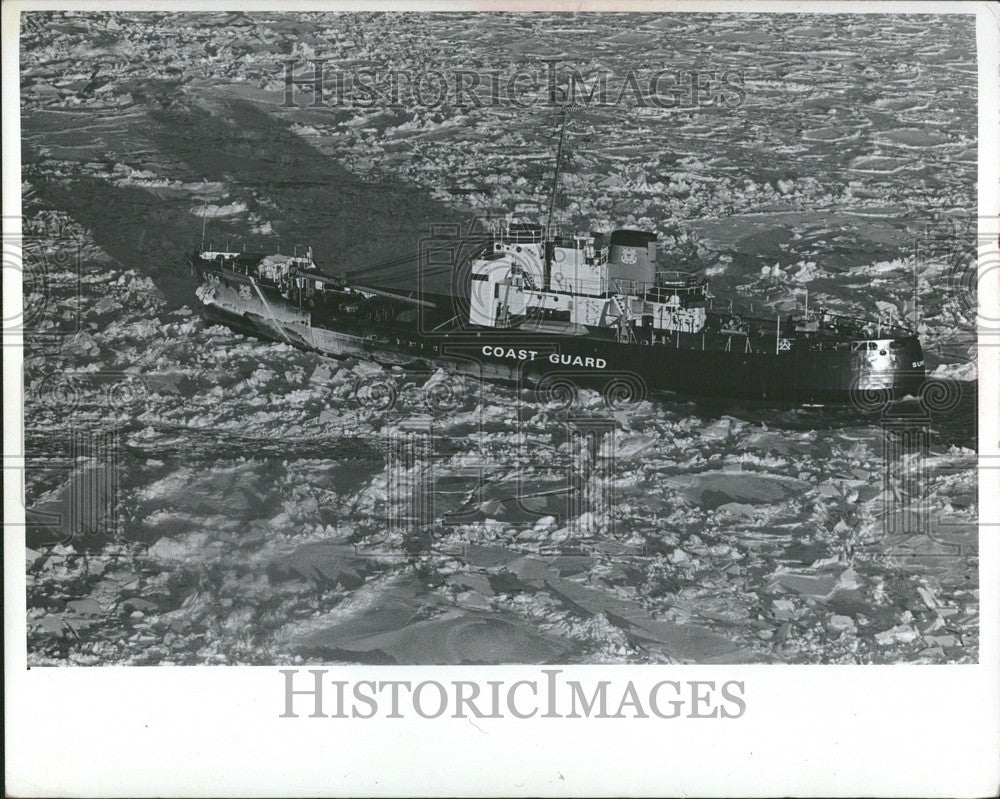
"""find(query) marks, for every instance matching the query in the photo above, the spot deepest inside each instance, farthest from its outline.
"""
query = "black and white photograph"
(474, 338)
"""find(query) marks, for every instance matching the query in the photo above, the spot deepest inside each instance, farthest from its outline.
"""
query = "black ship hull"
(863, 372)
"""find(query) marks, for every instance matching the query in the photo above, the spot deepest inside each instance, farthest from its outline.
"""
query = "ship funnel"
(632, 256)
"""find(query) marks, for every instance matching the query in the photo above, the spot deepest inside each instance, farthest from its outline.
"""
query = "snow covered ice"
(255, 484)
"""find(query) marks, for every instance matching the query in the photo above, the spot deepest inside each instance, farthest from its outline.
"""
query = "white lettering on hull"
(510, 352)
(555, 358)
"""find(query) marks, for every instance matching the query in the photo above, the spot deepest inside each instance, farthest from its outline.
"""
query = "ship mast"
(204, 221)
(555, 179)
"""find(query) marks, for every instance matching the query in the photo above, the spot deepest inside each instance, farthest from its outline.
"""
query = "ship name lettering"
(555, 358)
(577, 360)
(510, 352)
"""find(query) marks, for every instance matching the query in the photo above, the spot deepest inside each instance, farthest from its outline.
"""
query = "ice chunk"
(840, 623)
(181, 548)
(956, 371)
(900, 634)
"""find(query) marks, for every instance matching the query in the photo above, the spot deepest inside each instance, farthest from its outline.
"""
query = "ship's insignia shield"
(784, 344)
(629, 255)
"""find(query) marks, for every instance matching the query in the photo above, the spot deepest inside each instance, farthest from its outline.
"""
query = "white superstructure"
(586, 279)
